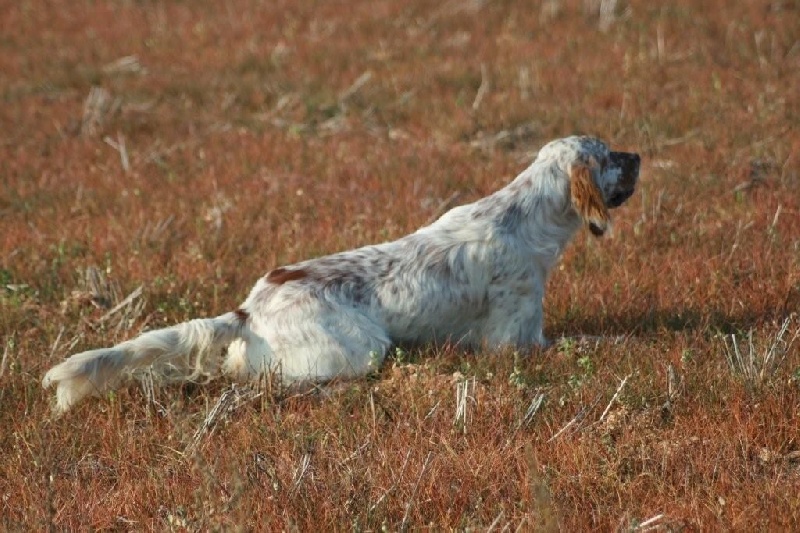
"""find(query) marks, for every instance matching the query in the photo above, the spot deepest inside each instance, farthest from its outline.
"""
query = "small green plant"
(796, 375)
(575, 381)
(375, 361)
(517, 378)
(567, 346)
(586, 364)
(687, 356)
(584, 361)
(400, 355)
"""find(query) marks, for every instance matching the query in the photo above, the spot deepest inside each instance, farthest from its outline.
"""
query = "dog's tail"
(96, 371)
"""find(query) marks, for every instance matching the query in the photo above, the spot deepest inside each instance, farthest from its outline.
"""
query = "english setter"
(475, 276)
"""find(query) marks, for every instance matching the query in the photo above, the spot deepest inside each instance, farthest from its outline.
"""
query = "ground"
(158, 157)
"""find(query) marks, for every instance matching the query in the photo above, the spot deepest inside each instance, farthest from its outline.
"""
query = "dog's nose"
(626, 159)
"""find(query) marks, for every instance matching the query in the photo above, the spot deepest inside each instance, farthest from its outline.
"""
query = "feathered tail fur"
(96, 371)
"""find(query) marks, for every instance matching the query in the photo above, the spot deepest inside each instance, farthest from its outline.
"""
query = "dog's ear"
(588, 200)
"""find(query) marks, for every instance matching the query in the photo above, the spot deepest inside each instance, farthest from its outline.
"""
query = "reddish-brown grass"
(246, 135)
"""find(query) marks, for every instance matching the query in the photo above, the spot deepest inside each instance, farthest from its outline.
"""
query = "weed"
(757, 362)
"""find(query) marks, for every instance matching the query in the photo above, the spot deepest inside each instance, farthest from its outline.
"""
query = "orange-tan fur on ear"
(588, 200)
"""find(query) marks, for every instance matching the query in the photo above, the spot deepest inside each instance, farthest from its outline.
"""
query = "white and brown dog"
(476, 276)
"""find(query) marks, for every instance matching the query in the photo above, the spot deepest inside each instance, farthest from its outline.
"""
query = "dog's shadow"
(653, 321)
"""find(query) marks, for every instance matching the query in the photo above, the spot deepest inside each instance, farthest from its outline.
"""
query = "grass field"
(156, 158)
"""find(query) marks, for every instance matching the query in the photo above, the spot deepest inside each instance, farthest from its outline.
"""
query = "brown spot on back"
(242, 315)
(281, 275)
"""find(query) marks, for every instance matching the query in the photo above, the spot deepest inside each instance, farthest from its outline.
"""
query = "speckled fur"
(476, 276)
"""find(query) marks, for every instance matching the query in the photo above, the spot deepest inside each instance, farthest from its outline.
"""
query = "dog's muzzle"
(628, 163)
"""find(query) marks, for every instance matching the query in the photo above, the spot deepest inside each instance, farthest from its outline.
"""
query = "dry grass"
(188, 147)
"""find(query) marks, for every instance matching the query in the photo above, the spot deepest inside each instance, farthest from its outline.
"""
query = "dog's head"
(599, 179)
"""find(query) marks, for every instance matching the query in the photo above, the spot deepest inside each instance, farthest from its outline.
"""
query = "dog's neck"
(547, 220)
(534, 211)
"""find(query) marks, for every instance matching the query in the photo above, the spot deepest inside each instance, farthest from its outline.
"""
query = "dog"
(476, 277)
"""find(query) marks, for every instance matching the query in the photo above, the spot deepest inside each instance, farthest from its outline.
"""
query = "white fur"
(476, 276)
